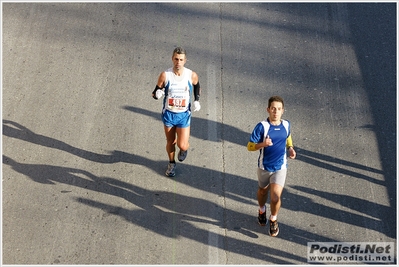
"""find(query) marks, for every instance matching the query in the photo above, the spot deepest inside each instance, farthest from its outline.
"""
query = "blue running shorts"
(180, 120)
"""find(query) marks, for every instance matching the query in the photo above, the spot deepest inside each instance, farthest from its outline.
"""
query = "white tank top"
(178, 91)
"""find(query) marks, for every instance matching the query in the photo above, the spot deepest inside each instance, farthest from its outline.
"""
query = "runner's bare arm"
(160, 84)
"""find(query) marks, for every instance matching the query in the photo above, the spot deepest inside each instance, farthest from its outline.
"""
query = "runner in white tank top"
(177, 84)
(178, 90)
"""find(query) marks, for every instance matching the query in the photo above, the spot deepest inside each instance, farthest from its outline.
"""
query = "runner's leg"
(262, 195)
(275, 198)
(170, 133)
(183, 134)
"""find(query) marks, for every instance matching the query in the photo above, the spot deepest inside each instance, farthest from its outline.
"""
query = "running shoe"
(274, 230)
(262, 218)
(171, 170)
(182, 155)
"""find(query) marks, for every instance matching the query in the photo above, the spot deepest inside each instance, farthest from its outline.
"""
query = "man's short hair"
(179, 50)
(275, 98)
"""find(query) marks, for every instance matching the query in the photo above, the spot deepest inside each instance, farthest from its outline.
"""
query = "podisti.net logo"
(351, 252)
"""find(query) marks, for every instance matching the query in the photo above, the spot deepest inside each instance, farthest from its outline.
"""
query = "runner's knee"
(263, 191)
(274, 198)
(183, 147)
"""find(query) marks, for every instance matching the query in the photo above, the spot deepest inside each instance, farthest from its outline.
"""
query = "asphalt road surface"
(84, 150)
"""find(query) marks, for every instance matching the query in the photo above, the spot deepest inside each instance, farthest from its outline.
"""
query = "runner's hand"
(268, 141)
(291, 152)
(159, 93)
(197, 106)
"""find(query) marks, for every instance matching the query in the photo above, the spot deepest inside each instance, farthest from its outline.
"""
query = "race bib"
(177, 103)
(178, 100)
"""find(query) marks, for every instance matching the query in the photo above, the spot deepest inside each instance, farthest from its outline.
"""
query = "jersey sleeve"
(257, 134)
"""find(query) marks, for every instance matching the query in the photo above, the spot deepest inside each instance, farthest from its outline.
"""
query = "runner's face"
(178, 61)
(275, 111)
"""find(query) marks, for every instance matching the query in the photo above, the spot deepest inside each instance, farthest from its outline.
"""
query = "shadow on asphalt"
(170, 224)
(376, 51)
(199, 127)
(374, 29)
(183, 206)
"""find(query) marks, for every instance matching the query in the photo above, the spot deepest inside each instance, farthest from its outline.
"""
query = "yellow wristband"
(251, 146)
(289, 141)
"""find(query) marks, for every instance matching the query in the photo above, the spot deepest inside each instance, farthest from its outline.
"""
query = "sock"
(262, 209)
(273, 217)
(172, 161)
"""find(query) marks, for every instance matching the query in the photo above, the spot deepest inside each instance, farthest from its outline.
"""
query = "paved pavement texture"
(84, 150)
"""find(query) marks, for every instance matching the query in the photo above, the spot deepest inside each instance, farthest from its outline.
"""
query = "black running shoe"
(262, 218)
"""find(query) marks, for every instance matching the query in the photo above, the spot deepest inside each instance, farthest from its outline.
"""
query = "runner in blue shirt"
(272, 138)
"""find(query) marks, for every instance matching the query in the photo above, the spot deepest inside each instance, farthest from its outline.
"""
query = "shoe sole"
(274, 234)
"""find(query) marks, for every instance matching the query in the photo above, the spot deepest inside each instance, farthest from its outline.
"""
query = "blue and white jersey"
(178, 90)
(272, 158)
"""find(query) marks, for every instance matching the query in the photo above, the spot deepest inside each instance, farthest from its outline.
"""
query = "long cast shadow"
(15, 130)
(374, 30)
(377, 211)
(326, 162)
(176, 222)
(199, 127)
(296, 202)
(240, 137)
(20, 132)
